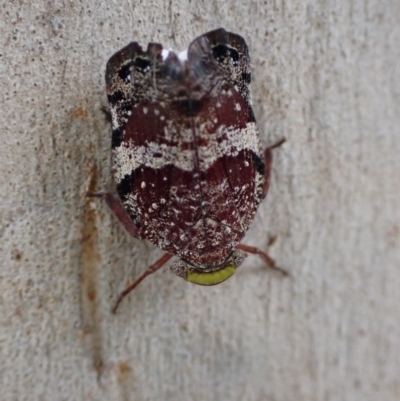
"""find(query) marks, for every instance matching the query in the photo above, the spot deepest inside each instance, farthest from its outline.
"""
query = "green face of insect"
(209, 276)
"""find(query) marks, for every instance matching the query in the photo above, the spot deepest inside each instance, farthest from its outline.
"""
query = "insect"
(186, 157)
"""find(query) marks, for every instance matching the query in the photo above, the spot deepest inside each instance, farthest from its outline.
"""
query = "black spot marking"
(246, 77)
(252, 118)
(124, 107)
(117, 137)
(124, 188)
(221, 52)
(125, 72)
(116, 97)
(142, 65)
(258, 163)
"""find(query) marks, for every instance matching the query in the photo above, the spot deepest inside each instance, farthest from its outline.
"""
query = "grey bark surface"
(326, 75)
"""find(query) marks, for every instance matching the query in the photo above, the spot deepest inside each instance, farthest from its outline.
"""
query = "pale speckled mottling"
(127, 157)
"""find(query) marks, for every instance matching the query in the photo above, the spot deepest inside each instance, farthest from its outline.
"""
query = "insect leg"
(279, 143)
(267, 164)
(152, 269)
(118, 211)
(266, 258)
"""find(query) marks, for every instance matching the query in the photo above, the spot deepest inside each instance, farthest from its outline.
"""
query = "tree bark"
(326, 75)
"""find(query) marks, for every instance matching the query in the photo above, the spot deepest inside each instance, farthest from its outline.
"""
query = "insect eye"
(221, 52)
(142, 65)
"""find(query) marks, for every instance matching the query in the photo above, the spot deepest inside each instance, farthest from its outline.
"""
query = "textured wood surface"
(326, 75)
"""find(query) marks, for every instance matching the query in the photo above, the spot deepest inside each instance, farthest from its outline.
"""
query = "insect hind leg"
(152, 269)
(264, 256)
